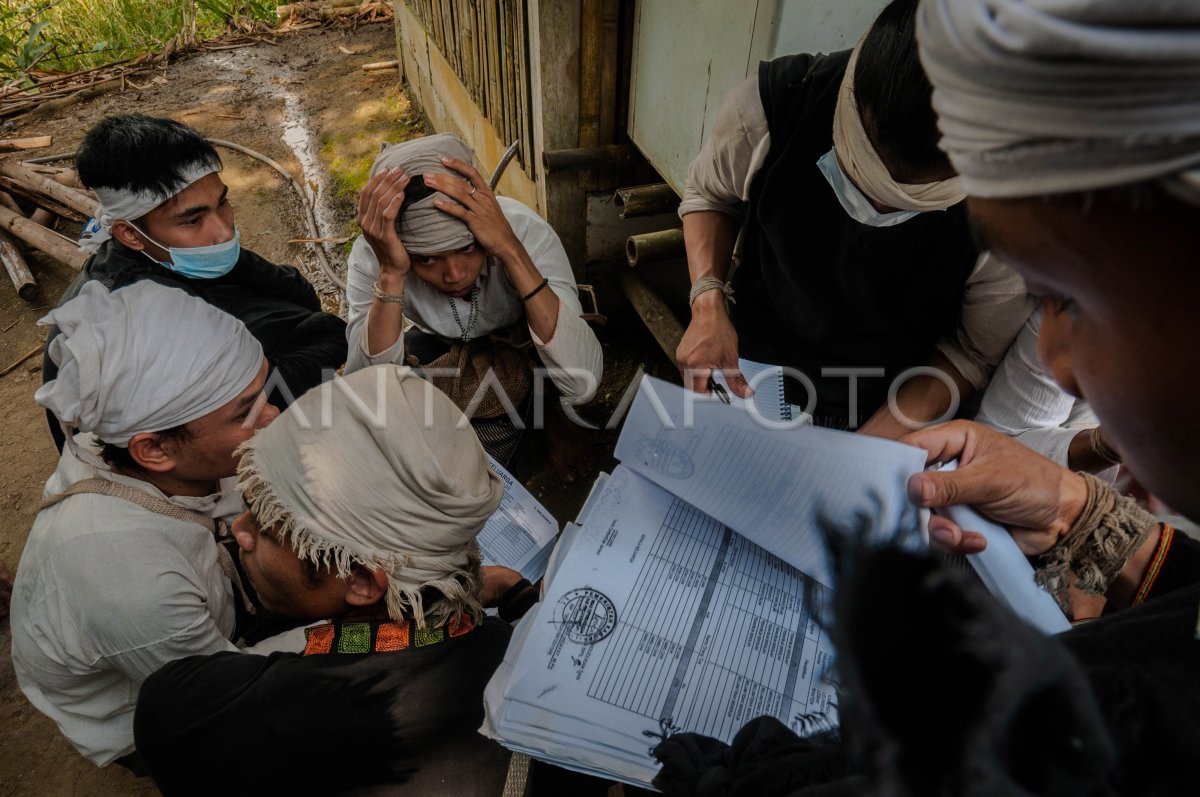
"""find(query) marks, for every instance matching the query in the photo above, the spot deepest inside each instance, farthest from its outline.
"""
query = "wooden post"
(56, 246)
(554, 39)
(654, 312)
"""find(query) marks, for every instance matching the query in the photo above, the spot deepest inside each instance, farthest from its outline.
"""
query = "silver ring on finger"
(473, 190)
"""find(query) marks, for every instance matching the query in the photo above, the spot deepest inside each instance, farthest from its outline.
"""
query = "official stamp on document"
(586, 615)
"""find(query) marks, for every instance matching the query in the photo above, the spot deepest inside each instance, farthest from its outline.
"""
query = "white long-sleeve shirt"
(105, 594)
(1025, 403)
(995, 301)
(572, 355)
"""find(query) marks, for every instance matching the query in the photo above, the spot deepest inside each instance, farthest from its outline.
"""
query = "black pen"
(718, 390)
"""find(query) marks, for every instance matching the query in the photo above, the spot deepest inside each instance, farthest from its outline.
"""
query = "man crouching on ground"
(365, 498)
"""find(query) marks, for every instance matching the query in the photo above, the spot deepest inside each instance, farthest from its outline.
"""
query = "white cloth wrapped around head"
(144, 358)
(1038, 97)
(863, 165)
(378, 469)
(117, 204)
(425, 230)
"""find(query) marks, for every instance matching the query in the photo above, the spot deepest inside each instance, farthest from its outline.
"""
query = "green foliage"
(68, 35)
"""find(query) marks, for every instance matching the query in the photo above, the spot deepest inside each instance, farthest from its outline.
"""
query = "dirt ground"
(305, 103)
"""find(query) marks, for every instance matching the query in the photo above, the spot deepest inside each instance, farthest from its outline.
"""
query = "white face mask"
(856, 205)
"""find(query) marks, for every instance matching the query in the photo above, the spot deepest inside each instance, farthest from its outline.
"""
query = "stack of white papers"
(688, 593)
(659, 616)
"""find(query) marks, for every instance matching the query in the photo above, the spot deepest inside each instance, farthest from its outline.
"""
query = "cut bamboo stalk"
(76, 200)
(6, 199)
(323, 11)
(17, 268)
(33, 142)
(56, 246)
(46, 218)
(295, 8)
(40, 199)
(645, 200)
(654, 246)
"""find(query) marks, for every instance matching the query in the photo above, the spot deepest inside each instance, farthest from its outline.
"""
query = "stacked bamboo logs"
(48, 193)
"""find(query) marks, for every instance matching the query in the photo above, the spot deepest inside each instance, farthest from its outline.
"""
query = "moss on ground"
(349, 152)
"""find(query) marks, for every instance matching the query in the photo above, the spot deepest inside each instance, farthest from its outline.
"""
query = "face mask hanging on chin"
(200, 262)
(853, 201)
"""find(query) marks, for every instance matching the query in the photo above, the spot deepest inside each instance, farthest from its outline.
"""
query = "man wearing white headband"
(121, 572)
(856, 262)
(1075, 125)
(474, 273)
(365, 498)
(165, 216)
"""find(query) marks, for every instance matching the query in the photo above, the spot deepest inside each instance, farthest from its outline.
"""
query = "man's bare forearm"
(709, 237)
(920, 400)
(385, 324)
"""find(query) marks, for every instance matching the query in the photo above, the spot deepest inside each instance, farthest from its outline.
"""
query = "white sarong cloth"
(144, 358)
(1040, 97)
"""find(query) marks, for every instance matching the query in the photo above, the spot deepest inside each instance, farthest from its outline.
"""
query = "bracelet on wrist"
(516, 601)
(1092, 553)
(387, 297)
(706, 284)
(545, 281)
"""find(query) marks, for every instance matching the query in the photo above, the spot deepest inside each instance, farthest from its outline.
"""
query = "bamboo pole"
(44, 217)
(17, 268)
(40, 199)
(590, 59)
(32, 142)
(292, 9)
(645, 200)
(76, 200)
(653, 246)
(7, 201)
(56, 246)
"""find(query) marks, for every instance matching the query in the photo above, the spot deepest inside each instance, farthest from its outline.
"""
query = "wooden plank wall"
(486, 42)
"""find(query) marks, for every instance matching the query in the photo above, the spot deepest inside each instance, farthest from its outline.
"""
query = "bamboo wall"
(486, 43)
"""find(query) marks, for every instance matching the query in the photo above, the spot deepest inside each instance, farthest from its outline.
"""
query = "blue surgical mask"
(856, 205)
(200, 262)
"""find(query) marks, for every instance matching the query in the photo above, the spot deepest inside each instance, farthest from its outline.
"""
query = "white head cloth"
(1038, 97)
(117, 204)
(425, 230)
(863, 165)
(379, 469)
(142, 359)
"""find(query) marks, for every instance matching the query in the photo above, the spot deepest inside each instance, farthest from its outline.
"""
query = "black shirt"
(404, 721)
(817, 289)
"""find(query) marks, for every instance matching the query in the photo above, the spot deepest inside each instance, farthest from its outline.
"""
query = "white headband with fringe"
(378, 469)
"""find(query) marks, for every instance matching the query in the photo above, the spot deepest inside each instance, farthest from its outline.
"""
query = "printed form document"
(520, 533)
(686, 595)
